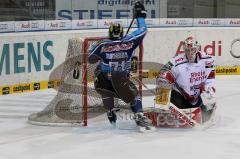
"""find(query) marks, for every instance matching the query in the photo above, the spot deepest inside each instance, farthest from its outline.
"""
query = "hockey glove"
(208, 98)
(139, 10)
(165, 79)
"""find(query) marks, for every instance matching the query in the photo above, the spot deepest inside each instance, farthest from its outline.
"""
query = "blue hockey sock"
(137, 105)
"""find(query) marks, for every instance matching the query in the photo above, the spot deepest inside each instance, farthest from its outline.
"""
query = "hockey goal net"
(76, 100)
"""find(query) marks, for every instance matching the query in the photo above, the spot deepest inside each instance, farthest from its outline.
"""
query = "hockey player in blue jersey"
(113, 72)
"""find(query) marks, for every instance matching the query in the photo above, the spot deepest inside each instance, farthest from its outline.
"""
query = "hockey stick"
(142, 2)
(173, 109)
(129, 27)
(140, 82)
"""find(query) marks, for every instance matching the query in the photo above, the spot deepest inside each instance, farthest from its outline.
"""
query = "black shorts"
(103, 85)
(118, 85)
(178, 100)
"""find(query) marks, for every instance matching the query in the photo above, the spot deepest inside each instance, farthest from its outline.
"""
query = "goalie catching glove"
(208, 98)
(139, 10)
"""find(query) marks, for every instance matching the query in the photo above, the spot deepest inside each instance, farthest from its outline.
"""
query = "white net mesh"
(66, 109)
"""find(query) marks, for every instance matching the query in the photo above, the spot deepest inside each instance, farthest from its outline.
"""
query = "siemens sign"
(102, 9)
(24, 57)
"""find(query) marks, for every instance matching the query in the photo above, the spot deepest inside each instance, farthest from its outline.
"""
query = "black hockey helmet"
(115, 31)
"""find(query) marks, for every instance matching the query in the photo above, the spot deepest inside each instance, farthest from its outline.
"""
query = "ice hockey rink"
(20, 140)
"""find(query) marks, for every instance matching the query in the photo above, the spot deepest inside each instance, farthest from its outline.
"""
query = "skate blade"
(146, 129)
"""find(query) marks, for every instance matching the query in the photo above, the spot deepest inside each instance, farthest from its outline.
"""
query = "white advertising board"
(105, 23)
(175, 22)
(58, 24)
(152, 22)
(208, 22)
(25, 26)
(84, 24)
(232, 22)
(7, 26)
(31, 56)
(163, 43)
(29, 25)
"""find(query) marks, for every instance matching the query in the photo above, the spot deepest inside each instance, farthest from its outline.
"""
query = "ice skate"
(144, 124)
(112, 116)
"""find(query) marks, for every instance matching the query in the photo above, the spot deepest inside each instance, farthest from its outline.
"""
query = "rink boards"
(27, 59)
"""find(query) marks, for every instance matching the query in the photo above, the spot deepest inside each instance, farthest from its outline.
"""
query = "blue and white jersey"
(116, 55)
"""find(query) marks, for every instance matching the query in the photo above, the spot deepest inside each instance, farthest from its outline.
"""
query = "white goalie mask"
(191, 48)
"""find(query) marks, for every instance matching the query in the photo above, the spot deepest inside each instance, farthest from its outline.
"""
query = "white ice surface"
(19, 140)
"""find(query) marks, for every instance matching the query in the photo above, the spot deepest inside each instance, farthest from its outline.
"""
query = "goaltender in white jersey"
(192, 77)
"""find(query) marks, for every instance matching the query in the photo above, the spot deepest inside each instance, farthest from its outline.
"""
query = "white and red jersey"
(190, 78)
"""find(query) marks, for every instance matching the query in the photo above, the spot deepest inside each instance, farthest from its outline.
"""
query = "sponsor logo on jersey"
(179, 60)
(117, 47)
(197, 76)
(195, 87)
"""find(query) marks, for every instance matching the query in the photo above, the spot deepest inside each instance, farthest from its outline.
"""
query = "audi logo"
(234, 54)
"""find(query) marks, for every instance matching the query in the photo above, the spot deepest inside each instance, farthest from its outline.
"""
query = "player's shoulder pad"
(98, 44)
(179, 59)
(204, 55)
(175, 61)
(207, 58)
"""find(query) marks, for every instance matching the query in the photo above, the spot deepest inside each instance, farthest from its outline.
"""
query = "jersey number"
(118, 66)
